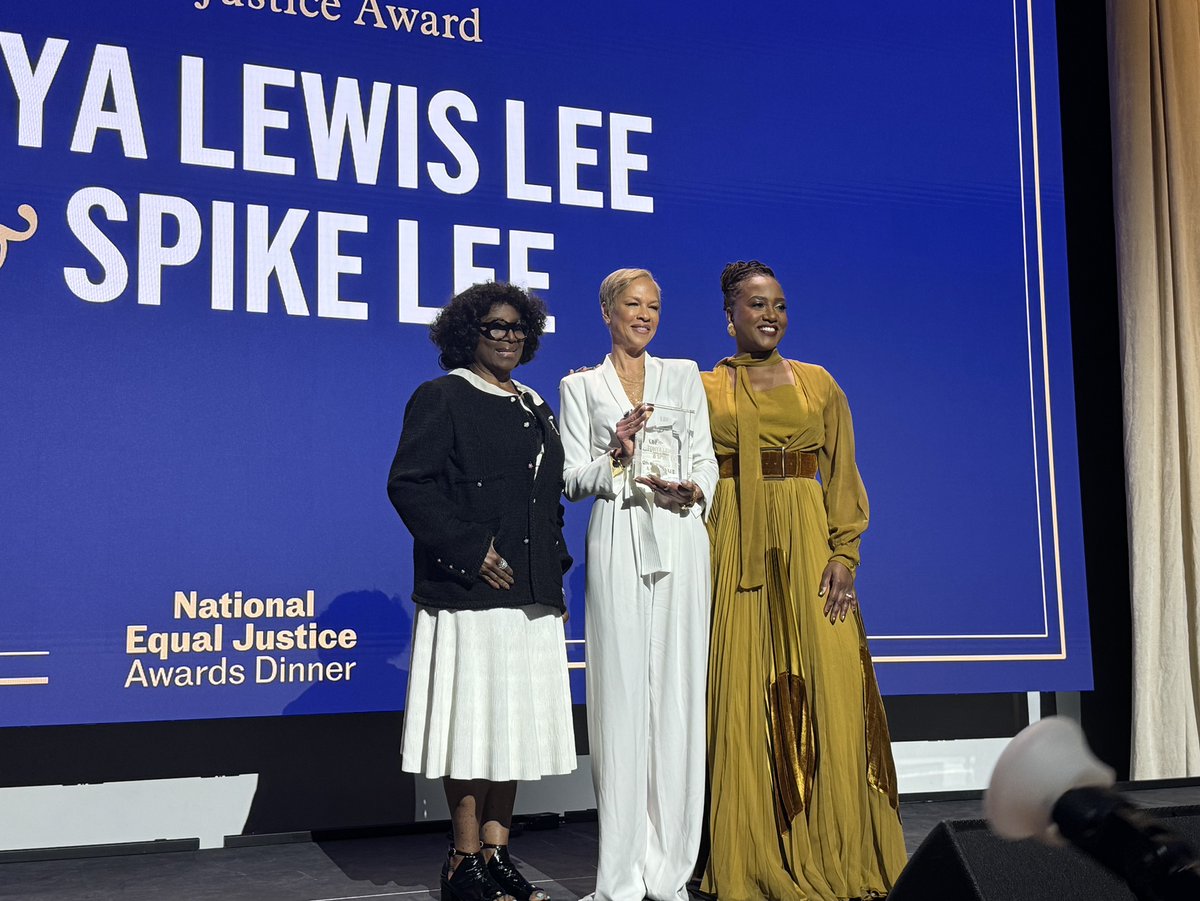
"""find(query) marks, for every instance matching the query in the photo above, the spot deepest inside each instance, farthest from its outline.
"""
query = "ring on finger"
(503, 564)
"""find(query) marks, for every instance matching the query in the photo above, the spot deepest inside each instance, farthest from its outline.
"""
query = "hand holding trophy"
(662, 457)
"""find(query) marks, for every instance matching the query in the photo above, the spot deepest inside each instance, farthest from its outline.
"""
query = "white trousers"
(647, 660)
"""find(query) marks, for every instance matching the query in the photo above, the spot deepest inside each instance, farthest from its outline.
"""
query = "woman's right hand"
(629, 425)
(496, 570)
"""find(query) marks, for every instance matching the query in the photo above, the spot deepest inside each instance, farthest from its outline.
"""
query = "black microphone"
(1047, 785)
(1156, 863)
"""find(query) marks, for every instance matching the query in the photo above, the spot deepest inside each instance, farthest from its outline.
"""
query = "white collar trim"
(488, 388)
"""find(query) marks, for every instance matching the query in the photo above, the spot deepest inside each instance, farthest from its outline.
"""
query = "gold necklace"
(634, 386)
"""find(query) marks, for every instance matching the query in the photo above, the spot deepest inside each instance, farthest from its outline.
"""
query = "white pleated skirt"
(488, 695)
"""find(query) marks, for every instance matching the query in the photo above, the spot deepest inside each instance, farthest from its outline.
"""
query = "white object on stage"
(1039, 766)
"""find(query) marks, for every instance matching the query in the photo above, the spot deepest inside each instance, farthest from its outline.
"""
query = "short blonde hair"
(616, 282)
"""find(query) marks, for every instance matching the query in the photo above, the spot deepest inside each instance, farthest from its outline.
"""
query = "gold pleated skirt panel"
(803, 784)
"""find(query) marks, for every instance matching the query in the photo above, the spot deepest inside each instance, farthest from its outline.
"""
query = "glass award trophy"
(662, 448)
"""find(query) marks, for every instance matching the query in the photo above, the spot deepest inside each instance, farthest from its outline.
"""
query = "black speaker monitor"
(961, 860)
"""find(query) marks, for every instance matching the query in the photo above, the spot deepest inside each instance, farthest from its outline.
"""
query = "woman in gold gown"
(804, 802)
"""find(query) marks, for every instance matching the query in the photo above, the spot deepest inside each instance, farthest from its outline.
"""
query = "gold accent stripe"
(32, 680)
(791, 731)
(969, 658)
(1037, 205)
(944, 637)
(881, 768)
(793, 748)
(1033, 424)
(1035, 156)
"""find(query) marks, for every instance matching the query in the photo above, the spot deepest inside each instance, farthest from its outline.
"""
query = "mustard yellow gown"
(804, 802)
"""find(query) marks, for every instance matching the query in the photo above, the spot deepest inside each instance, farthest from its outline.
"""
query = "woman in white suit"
(648, 594)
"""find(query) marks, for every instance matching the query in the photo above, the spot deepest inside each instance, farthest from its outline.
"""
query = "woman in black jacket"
(477, 479)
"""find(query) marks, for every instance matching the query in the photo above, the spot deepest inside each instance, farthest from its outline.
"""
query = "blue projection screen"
(226, 224)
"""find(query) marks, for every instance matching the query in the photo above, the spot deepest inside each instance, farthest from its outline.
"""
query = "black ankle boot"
(470, 880)
(509, 878)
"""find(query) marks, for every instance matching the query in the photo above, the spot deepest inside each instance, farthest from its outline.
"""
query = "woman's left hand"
(677, 495)
(837, 587)
(495, 570)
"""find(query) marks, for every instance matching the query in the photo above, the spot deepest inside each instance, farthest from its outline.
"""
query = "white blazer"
(591, 402)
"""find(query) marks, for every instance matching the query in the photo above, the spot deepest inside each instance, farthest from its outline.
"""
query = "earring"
(730, 330)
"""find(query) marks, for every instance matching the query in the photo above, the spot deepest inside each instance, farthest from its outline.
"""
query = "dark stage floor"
(563, 860)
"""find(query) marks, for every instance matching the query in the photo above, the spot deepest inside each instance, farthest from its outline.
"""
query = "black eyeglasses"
(498, 330)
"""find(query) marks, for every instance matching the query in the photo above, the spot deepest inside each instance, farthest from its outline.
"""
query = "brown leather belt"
(777, 463)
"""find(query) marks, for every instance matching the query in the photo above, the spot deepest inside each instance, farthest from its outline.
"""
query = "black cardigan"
(462, 477)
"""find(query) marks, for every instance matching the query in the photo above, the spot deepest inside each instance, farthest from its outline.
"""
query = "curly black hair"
(456, 329)
(735, 273)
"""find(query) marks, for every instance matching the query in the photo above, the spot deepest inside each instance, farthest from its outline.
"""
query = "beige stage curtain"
(1154, 81)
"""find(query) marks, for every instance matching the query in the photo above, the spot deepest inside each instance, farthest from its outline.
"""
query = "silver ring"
(504, 564)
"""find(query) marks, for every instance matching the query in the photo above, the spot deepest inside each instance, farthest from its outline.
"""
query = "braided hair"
(735, 273)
